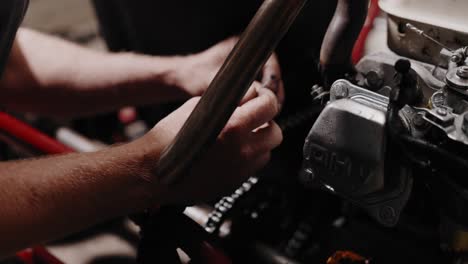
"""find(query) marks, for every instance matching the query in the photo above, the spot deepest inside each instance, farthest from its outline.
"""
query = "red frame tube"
(37, 255)
(31, 136)
(360, 45)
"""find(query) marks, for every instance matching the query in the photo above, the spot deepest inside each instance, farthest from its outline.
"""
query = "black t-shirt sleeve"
(11, 15)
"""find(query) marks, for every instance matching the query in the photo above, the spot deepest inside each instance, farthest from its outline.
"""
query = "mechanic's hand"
(200, 69)
(242, 148)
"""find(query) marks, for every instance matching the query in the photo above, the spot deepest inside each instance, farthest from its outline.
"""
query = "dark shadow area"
(113, 259)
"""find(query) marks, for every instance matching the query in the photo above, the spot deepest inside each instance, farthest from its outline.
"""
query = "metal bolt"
(438, 99)
(418, 120)
(465, 123)
(462, 72)
(442, 111)
(374, 80)
(388, 214)
(340, 90)
(456, 58)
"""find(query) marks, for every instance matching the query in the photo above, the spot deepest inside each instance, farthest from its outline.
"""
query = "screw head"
(442, 111)
(462, 72)
(438, 99)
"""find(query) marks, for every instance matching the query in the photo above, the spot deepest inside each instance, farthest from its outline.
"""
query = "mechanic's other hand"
(199, 70)
(242, 148)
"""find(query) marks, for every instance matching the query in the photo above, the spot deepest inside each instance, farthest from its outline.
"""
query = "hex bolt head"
(462, 72)
(340, 90)
(418, 120)
(456, 58)
(374, 80)
(388, 214)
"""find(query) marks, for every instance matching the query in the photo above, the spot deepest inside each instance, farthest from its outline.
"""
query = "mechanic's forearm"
(48, 198)
(51, 76)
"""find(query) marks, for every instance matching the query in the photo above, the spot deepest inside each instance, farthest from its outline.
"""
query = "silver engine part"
(347, 150)
(346, 153)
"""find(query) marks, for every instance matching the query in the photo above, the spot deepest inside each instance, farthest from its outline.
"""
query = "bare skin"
(52, 77)
(48, 198)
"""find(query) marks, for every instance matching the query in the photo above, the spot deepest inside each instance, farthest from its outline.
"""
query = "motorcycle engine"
(398, 122)
(383, 168)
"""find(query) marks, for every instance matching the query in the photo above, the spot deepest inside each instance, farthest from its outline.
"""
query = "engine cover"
(346, 149)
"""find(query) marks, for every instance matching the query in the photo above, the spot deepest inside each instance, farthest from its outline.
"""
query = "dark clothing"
(11, 15)
(187, 26)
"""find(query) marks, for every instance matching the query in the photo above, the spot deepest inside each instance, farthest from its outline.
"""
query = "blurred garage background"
(71, 19)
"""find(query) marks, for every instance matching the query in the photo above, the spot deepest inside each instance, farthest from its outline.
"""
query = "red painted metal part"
(31, 136)
(44, 257)
(360, 45)
(37, 255)
(26, 256)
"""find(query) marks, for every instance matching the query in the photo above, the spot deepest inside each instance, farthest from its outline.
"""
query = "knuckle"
(271, 103)
(269, 95)
(233, 128)
(268, 105)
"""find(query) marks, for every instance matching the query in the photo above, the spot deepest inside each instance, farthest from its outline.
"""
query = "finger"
(257, 111)
(186, 109)
(271, 75)
(267, 139)
(221, 50)
(260, 163)
(251, 93)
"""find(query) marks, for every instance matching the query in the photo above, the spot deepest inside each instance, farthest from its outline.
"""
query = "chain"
(226, 204)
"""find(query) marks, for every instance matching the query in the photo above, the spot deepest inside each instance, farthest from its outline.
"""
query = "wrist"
(157, 78)
(174, 72)
(146, 152)
(186, 76)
